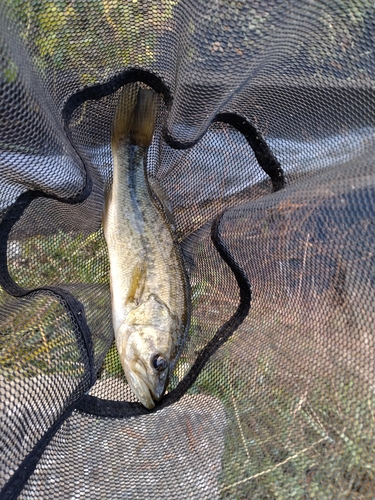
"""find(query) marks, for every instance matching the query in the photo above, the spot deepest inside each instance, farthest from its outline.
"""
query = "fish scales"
(149, 289)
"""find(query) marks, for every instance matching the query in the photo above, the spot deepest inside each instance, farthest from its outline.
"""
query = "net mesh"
(264, 144)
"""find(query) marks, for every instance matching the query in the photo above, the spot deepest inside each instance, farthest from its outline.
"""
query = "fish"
(148, 281)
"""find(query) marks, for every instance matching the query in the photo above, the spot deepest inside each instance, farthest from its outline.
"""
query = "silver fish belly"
(147, 278)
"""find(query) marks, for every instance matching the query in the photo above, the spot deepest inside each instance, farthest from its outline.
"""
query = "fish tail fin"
(135, 116)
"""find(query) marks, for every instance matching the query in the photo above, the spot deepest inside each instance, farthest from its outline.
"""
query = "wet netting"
(264, 146)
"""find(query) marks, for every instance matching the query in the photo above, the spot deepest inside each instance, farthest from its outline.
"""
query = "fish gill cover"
(263, 153)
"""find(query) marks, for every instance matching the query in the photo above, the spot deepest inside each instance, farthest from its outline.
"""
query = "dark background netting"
(266, 116)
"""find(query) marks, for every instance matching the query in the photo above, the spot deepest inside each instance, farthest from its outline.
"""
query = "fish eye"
(159, 363)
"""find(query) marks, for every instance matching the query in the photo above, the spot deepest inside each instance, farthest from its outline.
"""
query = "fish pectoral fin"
(137, 283)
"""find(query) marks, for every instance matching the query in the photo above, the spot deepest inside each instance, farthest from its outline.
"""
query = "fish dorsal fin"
(135, 116)
(161, 196)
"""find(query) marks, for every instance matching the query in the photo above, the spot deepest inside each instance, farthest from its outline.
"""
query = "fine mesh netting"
(264, 145)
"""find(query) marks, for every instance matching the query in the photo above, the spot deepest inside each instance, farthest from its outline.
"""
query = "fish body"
(148, 283)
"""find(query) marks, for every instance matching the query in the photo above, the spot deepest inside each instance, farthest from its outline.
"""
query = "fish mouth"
(146, 391)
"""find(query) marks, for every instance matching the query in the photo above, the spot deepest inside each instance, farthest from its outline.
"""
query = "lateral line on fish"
(133, 168)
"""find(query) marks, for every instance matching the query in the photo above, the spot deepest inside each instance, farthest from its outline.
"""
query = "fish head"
(145, 358)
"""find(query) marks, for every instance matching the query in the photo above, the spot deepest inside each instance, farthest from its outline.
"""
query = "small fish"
(149, 287)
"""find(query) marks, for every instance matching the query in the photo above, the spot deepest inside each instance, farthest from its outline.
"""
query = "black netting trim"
(74, 309)
(90, 404)
(73, 306)
(263, 153)
(13, 215)
(16, 483)
(124, 409)
(96, 92)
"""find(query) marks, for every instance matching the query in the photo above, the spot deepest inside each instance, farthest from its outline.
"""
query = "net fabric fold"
(264, 145)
